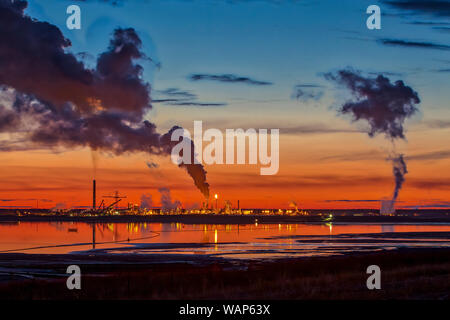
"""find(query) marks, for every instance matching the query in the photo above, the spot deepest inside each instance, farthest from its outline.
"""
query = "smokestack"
(93, 194)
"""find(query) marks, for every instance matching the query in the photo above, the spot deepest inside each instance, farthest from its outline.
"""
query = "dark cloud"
(56, 77)
(414, 44)
(230, 78)
(438, 8)
(383, 105)
(9, 120)
(57, 102)
(105, 131)
(307, 92)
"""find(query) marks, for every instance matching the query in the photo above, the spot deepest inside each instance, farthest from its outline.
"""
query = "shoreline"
(225, 219)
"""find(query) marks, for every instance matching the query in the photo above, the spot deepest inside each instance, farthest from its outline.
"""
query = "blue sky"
(284, 43)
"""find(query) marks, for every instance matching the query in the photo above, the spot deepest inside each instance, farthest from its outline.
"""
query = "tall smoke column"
(384, 106)
(399, 170)
(196, 171)
(94, 189)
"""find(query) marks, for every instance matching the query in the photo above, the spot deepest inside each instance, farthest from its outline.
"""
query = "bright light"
(215, 196)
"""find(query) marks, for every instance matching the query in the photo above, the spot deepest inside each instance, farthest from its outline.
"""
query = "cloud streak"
(413, 44)
(307, 92)
(228, 78)
(177, 97)
(438, 8)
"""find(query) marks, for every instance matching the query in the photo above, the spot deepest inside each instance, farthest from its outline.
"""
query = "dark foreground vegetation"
(406, 274)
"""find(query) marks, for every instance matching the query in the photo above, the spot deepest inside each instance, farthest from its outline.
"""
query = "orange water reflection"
(44, 237)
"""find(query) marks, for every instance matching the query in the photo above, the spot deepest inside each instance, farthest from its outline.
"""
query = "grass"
(406, 274)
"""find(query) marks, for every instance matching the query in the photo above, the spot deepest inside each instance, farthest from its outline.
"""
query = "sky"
(283, 58)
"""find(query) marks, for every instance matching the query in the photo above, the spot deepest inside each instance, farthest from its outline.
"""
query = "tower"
(93, 194)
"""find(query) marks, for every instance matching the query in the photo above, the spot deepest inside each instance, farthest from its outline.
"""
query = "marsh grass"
(406, 274)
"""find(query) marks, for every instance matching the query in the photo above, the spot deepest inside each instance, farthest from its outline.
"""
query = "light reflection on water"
(228, 241)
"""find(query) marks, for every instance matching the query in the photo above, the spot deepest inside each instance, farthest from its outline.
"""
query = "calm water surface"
(228, 241)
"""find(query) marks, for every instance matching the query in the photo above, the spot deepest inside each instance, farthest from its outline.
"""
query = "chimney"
(93, 194)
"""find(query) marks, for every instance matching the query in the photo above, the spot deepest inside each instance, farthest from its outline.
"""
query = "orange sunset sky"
(242, 66)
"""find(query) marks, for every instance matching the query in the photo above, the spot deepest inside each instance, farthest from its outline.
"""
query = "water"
(250, 241)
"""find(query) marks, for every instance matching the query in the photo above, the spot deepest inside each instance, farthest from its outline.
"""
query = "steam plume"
(399, 169)
(384, 106)
(146, 201)
(166, 200)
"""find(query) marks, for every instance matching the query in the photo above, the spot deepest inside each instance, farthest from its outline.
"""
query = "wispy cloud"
(377, 155)
(438, 8)
(438, 124)
(315, 129)
(307, 92)
(175, 92)
(27, 199)
(442, 29)
(229, 78)
(111, 2)
(441, 204)
(427, 156)
(349, 200)
(414, 44)
(356, 156)
(177, 97)
(198, 104)
(429, 23)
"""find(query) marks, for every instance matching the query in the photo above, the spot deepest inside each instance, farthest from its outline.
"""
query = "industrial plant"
(115, 204)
